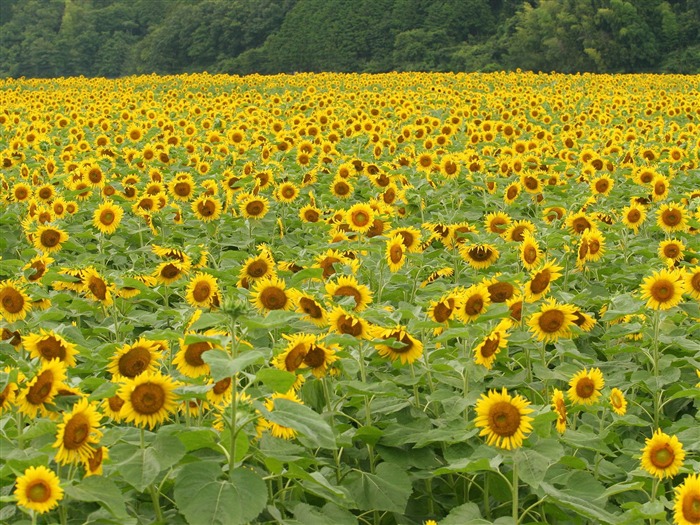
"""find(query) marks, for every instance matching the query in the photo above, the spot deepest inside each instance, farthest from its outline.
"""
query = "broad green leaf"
(387, 489)
(223, 365)
(207, 320)
(100, 490)
(532, 466)
(276, 380)
(329, 513)
(622, 305)
(580, 505)
(142, 467)
(466, 513)
(303, 419)
(205, 499)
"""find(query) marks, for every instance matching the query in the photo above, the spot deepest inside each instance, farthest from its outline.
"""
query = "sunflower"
(79, 430)
(500, 291)
(691, 278)
(553, 321)
(586, 386)
(633, 216)
(168, 272)
(48, 345)
(442, 310)
(296, 353)
(486, 351)
(201, 290)
(539, 284)
(663, 455)
(497, 222)
(93, 463)
(659, 188)
(360, 217)
(189, 360)
(342, 188)
(39, 265)
(182, 187)
(107, 217)
(584, 321)
(38, 489)
(41, 390)
(112, 407)
(559, 407)
(686, 510)
(517, 230)
(602, 185)
(403, 345)
(479, 256)
(49, 239)
(672, 218)
(270, 294)
(14, 302)
(313, 311)
(132, 360)
(503, 418)
(277, 430)
(8, 395)
(21, 192)
(253, 207)
(310, 213)
(579, 222)
(671, 251)
(207, 208)
(618, 402)
(342, 322)
(287, 192)
(148, 399)
(663, 289)
(472, 302)
(437, 274)
(410, 237)
(255, 268)
(395, 255)
(348, 286)
(590, 247)
(96, 288)
(511, 193)
(530, 253)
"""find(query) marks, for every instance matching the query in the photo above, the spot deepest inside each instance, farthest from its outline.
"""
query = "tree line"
(113, 38)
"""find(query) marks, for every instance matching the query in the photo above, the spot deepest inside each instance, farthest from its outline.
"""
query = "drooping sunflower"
(93, 463)
(663, 289)
(49, 239)
(38, 265)
(539, 284)
(479, 256)
(349, 286)
(671, 251)
(270, 293)
(485, 352)
(672, 217)
(306, 304)
(168, 272)
(256, 267)
(277, 430)
(342, 322)
(207, 208)
(437, 274)
(107, 217)
(403, 345)
(686, 509)
(472, 302)
(189, 360)
(618, 402)
(95, 287)
(48, 345)
(132, 360)
(663, 455)
(360, 217)
(691, 279)
(38, 393)
(38, 489)
(254, 207)
(559, 407)
(14, 302)
(633, 216)
(553, 321)
(530, 253)
(148, 399)
(79, 429)
(585, 386)
(583, 320)
(395, 256)
(201, 290)
(503, 419)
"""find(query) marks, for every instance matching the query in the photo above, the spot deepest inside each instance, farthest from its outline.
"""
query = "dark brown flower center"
(38, 491)
(315, 357)
(662, 290)
(551, 321)
(474, 305)
(295, 357)
(348, 325)
(541, 281)
(202, 291)
(95, 459)
(193, 353)
(585, 388)
(273, 298)
(504, 419)
(98, 288)
(311, 308)
(581, 224)
(479, 253)
(360, 218)
(12, 300)
(41, 390)
(206, 208)
(222, 386)
(50, 238)
(76, 432)
(311, 215)
(255, 208)
(182, 189)
(107, 217)
(148, 398)
(115, 403)
(690, 507)
(134, 362)
(500, 292)
(671, 217)
(663, 456)
(530, 254)
(50, 347)
(490, 346)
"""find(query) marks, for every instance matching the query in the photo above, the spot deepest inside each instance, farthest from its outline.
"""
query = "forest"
(116, 38)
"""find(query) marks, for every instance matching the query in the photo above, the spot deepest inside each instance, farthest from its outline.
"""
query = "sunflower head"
(38, 489)
(663, 289)
(503, 418)
(585, 386)
(663, 455)
(686, 510)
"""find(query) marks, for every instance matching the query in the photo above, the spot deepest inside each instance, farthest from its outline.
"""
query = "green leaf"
(622, 305)
(204, 499)
(304, 275)
(388, 489)
(467, 513)
(579, 505)
(207, 320)
(276, 380)
(223, 365)
(142, 467)
(532, 466)
(100, 490)
(304, 420)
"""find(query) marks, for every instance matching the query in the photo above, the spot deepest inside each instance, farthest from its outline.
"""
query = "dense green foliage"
(45, 38)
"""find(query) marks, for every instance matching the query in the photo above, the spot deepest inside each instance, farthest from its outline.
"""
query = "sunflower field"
(403, 299)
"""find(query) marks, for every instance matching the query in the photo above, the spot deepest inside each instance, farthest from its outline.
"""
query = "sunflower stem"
(336, 456)
(416, 395)
(33, 514)
(155, 500)
(515, 491)
(234, 398)
(654, 490)
(655, 347)
(20, 430)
